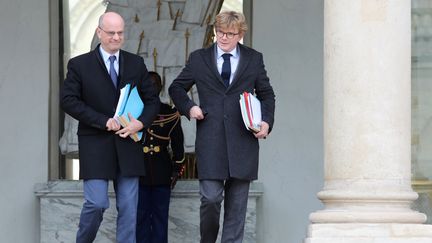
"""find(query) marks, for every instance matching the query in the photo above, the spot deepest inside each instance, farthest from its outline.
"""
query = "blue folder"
(130, 102)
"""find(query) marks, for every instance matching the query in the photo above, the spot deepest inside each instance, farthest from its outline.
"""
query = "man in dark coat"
(90, 94)
(227, 152)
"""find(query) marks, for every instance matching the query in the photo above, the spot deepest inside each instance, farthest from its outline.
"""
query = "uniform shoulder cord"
(166, 119)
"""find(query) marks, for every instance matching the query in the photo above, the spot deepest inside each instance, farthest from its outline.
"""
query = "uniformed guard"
(163, 168)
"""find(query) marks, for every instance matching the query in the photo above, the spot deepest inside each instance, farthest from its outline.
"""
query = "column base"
(369, 233)
(368, 202)
(365, 216)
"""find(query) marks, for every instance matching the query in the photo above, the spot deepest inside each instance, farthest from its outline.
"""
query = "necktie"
(112, 71)
(226, 69)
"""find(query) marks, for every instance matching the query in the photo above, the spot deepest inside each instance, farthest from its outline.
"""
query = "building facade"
(342, 129)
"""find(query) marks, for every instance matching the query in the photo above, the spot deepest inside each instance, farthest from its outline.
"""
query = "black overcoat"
(223, 146)
(89, 96)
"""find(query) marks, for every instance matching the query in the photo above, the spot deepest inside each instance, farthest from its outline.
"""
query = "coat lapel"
(102, 65)
(209, 58)
(122, 66)
(243, 63)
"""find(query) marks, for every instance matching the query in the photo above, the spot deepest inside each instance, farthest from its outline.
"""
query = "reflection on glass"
(421, 104)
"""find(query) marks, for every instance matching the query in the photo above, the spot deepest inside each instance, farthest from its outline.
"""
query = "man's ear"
(241, 35)
(97, 31)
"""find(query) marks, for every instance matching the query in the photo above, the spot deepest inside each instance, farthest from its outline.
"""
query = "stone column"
(367, 126)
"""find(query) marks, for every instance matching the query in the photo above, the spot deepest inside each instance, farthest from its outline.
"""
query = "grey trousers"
(234, 193)
(96, 201)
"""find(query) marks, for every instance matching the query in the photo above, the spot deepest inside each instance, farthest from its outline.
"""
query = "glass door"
(421, 105)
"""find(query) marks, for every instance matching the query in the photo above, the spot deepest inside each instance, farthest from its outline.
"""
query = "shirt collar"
(106, 55)
(234, 52)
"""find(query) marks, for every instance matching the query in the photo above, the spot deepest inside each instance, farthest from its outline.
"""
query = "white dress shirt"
(234, 60)
(105, 57)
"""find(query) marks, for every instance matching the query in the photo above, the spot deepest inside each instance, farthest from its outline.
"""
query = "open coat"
(89, 96)
(224, 147)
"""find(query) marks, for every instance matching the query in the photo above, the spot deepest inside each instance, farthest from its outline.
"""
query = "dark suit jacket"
(89, 96)
(223, 146)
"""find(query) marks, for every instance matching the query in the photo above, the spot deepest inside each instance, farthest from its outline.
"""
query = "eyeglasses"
(112, 33)
(229, 35)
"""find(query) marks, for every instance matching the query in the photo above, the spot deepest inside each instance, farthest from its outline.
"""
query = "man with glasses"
(90, 94)
(227, 153)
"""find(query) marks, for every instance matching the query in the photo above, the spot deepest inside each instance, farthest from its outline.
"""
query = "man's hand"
(112, 125)
(264, 129)
(133, 127)
(196, 113)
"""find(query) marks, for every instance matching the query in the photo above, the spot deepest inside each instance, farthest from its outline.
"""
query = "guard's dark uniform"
(155, 187)
(165, 129)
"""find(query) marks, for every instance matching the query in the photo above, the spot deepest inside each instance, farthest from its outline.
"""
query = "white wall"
(24, 89)
(289, 33)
